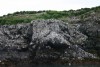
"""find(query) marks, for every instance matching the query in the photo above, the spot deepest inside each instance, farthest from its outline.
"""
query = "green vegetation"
(27, 16)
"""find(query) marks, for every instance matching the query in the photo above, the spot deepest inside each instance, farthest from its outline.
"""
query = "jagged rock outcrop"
(91, 29)
(42, 41)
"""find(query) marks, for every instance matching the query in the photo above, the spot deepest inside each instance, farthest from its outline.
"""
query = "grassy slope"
(71, 15)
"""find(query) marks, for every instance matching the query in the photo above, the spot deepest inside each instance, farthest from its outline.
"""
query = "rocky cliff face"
(46, 41)
(91, 29)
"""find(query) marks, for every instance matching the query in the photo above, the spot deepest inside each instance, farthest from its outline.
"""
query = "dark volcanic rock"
(91, 29)
(42, 41)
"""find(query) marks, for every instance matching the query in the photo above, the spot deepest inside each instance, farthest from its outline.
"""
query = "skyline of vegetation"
(28, 16)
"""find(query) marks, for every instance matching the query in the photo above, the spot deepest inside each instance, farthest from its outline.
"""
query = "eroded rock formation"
(42, 41)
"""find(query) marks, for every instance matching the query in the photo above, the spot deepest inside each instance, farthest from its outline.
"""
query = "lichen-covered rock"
(42, 41)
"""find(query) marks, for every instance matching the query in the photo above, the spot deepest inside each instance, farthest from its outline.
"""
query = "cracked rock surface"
(43, 40)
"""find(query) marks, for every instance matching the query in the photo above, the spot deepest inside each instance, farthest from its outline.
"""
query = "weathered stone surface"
(91, 29)
(42, 40)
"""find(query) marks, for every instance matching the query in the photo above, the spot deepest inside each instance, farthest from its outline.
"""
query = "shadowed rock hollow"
(42, 40)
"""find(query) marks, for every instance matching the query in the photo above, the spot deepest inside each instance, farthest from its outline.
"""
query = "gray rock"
(42, 41)
(92, 30)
